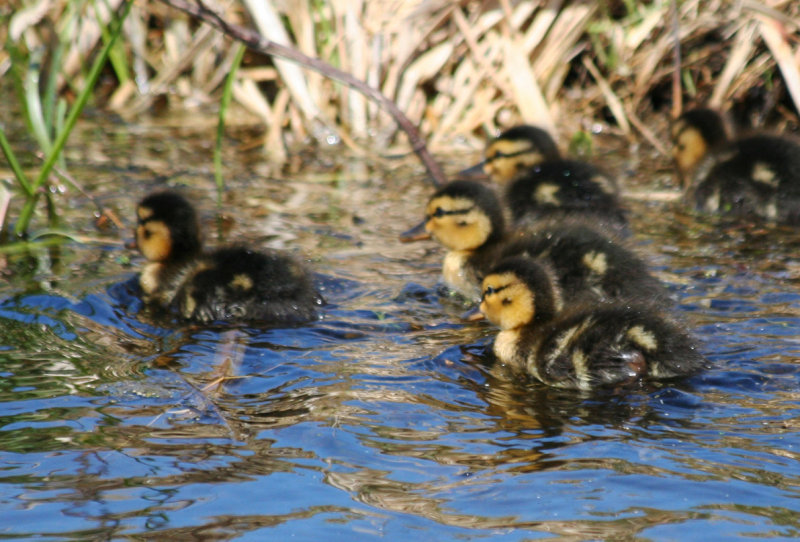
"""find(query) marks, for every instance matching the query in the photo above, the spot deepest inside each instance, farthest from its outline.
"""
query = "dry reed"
(460, 71)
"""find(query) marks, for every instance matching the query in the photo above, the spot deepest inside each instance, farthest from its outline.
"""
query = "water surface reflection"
(384, 418)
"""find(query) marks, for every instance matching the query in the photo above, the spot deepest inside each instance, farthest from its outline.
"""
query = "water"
(383, 419)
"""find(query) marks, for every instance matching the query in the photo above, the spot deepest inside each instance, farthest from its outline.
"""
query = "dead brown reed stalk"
(459, 71)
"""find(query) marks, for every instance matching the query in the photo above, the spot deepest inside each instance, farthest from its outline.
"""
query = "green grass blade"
(34, 101)
(72, 118)
(15, 167)
(116, 56)
(18, 61)
(51, 89)
(227, 93)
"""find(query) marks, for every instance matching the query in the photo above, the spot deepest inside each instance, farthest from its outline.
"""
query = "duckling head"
(514, 151)
(167, 228)
(519, 291)
(696, 133)
(464, 215)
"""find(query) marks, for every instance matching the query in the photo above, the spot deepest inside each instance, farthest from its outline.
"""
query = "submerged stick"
(258, 43)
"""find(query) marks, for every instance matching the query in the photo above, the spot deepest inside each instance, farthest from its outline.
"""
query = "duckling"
(752, 176)
(540, 183)
(581, 348)
(466, 217)
(229, 284)
(514, 151)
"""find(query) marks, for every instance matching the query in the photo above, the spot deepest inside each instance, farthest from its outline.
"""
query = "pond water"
(383, 418)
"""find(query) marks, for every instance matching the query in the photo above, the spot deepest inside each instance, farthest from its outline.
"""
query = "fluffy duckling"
(514, 151)
(467, 219)
(229, 284)
(539, 183)
(752, 176)
(608, 345)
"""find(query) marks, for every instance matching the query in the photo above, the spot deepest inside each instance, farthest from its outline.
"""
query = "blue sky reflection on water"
(384, 418)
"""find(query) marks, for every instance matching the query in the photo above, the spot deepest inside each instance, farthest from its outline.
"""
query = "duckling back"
(237, 284)
(590, 265)
(608, 346)
(756, 176)
(566, 188)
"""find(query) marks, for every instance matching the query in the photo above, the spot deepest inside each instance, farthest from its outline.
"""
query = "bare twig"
(677, 96)
(256, 42)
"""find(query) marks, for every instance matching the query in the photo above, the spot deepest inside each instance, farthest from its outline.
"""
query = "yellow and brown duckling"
(466, 218)
(752, 176)
(232, 284)
(514, 151)
(605, 345)
(539, 183)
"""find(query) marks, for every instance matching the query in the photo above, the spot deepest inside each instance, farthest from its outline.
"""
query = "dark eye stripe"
(491, 290)
(500, 154)
(439, 212)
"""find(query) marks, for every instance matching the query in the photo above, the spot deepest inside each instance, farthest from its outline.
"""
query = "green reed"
(225, 102)
(47, 117)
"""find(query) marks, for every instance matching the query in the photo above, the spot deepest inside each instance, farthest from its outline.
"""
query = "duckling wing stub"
(566, 187)
(237, 284)
(757, 176)
(615, 346)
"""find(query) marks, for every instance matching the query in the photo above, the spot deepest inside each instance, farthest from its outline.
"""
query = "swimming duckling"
(466, 217)
(539, 183)
(229, 284)
(756, 175)
(515, 151)
(582, 349)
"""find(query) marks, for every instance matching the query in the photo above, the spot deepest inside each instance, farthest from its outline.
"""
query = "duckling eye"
(506, 301)
(461, 223)
(492, 290)
(146, 233)
(439, 212)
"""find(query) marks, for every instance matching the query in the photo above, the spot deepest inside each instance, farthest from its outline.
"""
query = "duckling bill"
(230, 284)
(579, 348)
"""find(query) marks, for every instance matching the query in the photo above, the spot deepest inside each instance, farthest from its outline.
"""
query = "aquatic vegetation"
(52, 124)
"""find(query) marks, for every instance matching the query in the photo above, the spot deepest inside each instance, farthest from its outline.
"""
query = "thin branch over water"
(258, 43)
